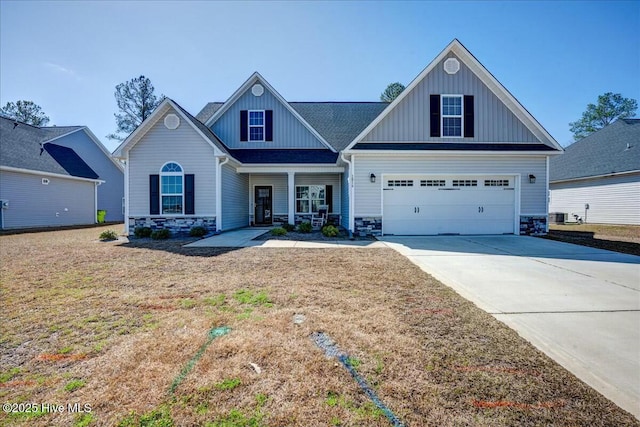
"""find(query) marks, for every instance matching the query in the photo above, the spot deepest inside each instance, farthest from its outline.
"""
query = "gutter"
(350, 192)
(219, 192)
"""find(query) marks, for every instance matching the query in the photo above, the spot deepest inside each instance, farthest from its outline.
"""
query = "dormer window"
(256, 125)
(452, 115)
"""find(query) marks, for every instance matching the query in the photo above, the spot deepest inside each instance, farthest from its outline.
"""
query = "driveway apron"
(579, 305)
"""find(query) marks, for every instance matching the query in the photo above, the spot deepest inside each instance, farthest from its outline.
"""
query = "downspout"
(350, 192)
(127, 201)
(95, 202)
(219, 192)
(548, 194)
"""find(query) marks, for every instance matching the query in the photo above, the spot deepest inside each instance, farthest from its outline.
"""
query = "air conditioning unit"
(558, 217)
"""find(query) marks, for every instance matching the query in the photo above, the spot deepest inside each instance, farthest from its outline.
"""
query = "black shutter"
(435, 115)
(328, 194)
(244, 125)
(154, 194)
(468, 116)
(268, 125)
(189, 194)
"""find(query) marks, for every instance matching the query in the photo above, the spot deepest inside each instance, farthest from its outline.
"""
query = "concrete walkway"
(579, 305)
(243, 238)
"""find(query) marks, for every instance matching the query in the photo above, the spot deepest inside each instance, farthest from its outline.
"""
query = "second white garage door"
(431, 205)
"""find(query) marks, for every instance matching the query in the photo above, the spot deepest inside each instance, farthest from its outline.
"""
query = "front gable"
(277, 125)
(485, 112)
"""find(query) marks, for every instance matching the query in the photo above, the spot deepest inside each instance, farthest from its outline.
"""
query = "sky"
(555, 57)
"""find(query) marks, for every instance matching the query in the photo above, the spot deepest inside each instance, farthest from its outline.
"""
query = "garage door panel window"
(309, 198)
(465, 182)
(400, 183)
(496, 182)
(432, 183)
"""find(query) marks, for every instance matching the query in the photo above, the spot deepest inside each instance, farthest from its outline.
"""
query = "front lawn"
(136, 331)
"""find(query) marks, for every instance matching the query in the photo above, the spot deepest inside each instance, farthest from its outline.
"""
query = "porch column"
(291, 197)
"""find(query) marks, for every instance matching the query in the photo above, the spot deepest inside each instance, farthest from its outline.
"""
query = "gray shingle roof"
(205, 130)
(601, 153)
(20, 146)
(337, 122)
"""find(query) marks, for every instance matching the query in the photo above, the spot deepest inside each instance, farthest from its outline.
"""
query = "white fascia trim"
(255, 77)
(586, 178)
(483, 74)
(404, 153)
(283, 169)
(95, 140)
(52, 174)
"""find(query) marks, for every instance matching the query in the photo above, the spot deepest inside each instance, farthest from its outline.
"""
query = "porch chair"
(320, 219)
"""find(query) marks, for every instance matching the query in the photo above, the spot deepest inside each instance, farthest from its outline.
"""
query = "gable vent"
(171, 121)
(257, 89)
(451, 66)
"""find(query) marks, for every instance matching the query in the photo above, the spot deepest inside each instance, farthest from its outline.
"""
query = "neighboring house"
(598, 178)
(55, 176)
(455, 153)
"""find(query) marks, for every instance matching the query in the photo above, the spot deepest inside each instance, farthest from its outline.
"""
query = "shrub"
(142, 232)
(161, 234)
(108, 235)
(288, 227)
(305, 227)
(197, 231)
(279, 231)
(330, 231)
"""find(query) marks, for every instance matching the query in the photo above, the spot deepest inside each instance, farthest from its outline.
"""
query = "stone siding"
(179, 226)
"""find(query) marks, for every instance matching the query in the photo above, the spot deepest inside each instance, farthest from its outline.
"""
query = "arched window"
(172, 188)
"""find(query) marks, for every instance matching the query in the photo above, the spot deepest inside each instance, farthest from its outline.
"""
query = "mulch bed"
(590, 239)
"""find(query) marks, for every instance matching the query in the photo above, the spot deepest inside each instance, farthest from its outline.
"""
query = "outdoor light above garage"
(372, 177)
(532, 179)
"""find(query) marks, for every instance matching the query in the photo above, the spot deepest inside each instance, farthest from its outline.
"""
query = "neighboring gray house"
(598, 178)
(55, 176)
(455, 153)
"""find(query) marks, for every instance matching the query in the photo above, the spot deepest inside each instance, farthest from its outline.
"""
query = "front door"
(263, 202)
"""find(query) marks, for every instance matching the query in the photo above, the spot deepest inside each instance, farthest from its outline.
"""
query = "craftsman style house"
(455, 153)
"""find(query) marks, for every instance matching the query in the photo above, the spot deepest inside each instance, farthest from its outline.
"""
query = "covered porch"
(293, 195)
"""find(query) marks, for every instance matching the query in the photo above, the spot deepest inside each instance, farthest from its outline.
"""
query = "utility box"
(557, 218)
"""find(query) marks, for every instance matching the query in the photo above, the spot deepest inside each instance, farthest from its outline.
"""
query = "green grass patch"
(9, 375)
(187, 303)
(236, 418)
(74, 385)
(228, 384)
(65, 350)
(83, 420)
(160, 417)
(256, 299)
(216, 301)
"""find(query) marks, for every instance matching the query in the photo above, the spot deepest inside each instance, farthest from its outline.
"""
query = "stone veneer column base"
(533, 225)
(368, 226)
(179, 226)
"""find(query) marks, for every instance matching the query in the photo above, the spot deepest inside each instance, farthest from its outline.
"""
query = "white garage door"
(431, 205)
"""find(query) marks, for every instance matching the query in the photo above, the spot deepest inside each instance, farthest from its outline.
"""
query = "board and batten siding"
(32, 204)
(111, 191)
(368, 201)
(409, 120)
(288, 131)
(183, 146)
(235, 190)
(612, 200)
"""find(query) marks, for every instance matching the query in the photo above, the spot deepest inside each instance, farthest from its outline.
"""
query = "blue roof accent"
(260, 156)
(70, 161)
(451, 146)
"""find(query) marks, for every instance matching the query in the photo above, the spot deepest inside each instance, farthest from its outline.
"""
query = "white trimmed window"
(171, 189)
(256, 125)
(309, 198)
(452, 115)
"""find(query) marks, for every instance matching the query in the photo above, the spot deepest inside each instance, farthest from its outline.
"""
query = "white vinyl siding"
(182, 145)
(235, 188)
(368, 199)
(409, 120)
(32, 204)
(612, 200)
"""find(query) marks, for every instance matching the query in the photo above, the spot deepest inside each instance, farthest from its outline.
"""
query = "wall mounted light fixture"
(372, 177)
(532, 179)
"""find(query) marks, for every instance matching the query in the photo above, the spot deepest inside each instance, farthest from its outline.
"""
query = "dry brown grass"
(127, 317)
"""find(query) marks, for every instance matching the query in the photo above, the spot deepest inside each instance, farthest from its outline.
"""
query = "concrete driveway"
(579, 305)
